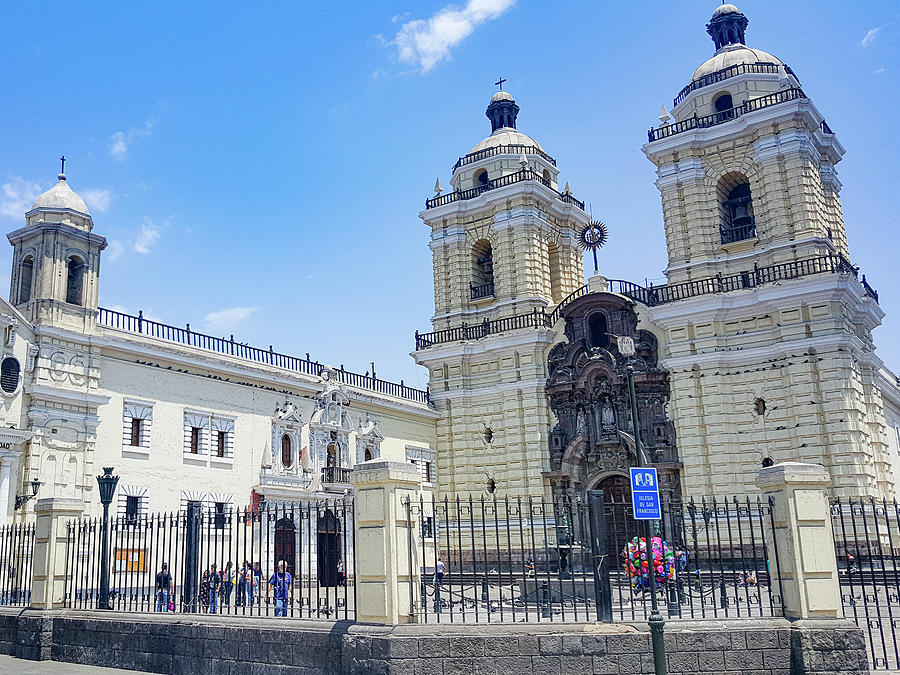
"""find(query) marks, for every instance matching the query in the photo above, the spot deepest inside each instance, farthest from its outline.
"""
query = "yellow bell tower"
(505, 246)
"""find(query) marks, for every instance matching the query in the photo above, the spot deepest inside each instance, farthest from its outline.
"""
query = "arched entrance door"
(329, 548)
(285, 543)
(620, 525)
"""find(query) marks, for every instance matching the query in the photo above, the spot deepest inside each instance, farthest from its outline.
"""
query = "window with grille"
(135, 432)
(132, 507)
(9, 374)
(219, 516)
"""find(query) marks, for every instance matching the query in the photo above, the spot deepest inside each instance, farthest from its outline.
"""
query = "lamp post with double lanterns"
(655, 620)
(107, 484)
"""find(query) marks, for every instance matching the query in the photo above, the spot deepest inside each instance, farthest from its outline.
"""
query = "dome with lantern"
(60, 204)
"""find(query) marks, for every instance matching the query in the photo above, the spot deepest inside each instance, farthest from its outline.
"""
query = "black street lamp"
(107, 483)
(656, 621)
(22, 499)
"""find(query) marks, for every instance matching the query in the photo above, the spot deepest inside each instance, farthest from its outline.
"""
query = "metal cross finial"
(500, 82)
(63, 160)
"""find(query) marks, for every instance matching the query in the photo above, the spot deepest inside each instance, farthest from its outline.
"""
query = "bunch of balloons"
(638, 566)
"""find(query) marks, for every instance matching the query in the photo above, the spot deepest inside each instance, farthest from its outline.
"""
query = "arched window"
(481, 178)
(482, 284)
(287, 455)
(368, 455)
(26, 274)
(547, 177)
(74, 280)
(723, 102)
(331, 459)
(735, 208)
(598, 330)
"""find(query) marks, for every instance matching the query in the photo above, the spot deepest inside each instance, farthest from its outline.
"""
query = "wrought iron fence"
(512, 149)
(530, 559)
(509, 179)
(314, 539)
(16, 564)
(867, 547)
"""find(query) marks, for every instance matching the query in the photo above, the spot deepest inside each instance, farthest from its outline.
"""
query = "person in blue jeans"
(284, 589)
(163, 588)
(214, 587)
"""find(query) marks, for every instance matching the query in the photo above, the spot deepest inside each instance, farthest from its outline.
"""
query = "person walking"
(227, 583)
(241, 595)
(163, 588)
(213, 588)
(284, 589)
(257, 583)
(439, 571)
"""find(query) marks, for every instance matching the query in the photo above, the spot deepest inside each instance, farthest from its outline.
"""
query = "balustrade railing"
(336, 474)
(513, 149)
(727, 73)
(729, 235)
(652, 296)
(725, 115)
(509, 179)
(185, 336)
(483, 291)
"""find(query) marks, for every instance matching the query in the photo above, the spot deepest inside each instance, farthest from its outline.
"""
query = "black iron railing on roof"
(483, 291)
(725, 115)
(185, 336)
(512, 149)
(765, 68)
(653, 295)
(519, 176)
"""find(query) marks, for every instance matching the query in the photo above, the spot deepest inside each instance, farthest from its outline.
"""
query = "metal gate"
(867, 546)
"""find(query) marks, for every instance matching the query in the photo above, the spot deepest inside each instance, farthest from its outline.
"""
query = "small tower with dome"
(56, 260)
(504, 240)
(751, 205)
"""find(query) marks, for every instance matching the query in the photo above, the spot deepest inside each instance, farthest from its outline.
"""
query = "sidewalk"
(10, 665)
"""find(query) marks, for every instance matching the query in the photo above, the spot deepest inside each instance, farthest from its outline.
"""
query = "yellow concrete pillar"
(804, 540)
(50, 537)
(388, 568)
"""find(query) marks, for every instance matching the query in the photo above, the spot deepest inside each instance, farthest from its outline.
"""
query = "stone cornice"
(10, 435)
(42, 227)
(66, 396)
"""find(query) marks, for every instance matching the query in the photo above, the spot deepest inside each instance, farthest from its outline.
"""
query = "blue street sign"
(645, 494)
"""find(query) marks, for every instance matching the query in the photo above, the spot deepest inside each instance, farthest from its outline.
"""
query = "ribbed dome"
(506, 136)
(502, 96)
(732, 55)
(725, 9)
(61, 196)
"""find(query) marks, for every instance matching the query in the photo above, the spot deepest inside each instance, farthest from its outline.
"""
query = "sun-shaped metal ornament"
(592, 237)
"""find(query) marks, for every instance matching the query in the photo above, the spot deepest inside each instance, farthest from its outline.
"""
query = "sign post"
(645, 493)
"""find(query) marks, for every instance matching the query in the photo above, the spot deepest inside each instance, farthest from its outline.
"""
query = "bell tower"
(505, 250)
(56, 261)
(769, 329)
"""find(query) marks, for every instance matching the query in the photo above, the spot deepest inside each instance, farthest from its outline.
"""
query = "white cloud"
(17, 197)
(426, 42)
(228, 318)
(97, 199)
(121, 141)
(878, 71)
(869, 36)
(114, 250)
(146, 237)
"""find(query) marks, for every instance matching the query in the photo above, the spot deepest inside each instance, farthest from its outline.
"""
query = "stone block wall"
(236, 645)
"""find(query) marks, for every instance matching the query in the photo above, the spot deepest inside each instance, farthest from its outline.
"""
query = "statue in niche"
(607, 416)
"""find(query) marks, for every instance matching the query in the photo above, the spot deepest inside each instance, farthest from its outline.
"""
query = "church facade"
(758, 349)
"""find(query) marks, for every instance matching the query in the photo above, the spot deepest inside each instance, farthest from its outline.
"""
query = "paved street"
(9, 664)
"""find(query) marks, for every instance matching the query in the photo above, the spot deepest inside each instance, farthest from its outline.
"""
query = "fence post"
(192, 530)
(799, 532)
(50, 538)
(388, 572)
(599, 546)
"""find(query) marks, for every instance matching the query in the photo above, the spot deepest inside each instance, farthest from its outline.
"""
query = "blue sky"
(258, 167)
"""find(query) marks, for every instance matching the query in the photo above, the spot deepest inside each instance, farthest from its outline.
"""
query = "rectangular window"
(428, 472)
(132, 507)
(221, 436)
(135, 432)
(219, 516)
(195, 440)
